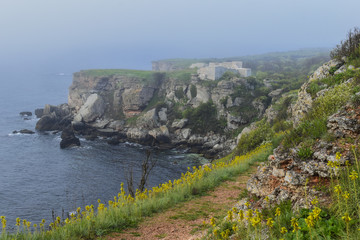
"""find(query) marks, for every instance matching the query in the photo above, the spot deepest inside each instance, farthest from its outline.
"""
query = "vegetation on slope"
(124, 211)
(276, 221)
(338, 220)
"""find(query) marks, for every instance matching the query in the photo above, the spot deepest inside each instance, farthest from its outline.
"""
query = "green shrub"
(313, 88)
(331, 101)
(193, 91)
(356, 100)
(333, 70)
(179, 93)
(348, 48)
(305, 152)
(307, 129)
(224, 100)
(254, 138)
(281, 125)
(203, 119)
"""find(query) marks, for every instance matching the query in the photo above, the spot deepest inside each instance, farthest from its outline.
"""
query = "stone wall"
(214, 71)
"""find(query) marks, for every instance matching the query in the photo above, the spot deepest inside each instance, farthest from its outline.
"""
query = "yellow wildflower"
(212, 222)
(255, 221)
(310, 221)
(277, 212)
(316, 213)
(337, 189)
(241, 215)
(346, 218)
(18, 220)
(235, 228)
(283, 230)
(346, 195)
(315, 201)
(270, 222)
(354, 175)
(3, 222)
(295, 225)
(230, 215)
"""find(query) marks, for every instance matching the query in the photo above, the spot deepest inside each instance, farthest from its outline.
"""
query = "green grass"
(129, 215)
(117, 72)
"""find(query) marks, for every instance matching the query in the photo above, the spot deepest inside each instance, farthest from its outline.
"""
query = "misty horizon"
(69, 36)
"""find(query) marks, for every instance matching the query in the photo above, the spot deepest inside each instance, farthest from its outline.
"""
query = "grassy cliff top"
(183, 75)
(120, 72)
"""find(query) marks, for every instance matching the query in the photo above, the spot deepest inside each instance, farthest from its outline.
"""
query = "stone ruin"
(214, 70)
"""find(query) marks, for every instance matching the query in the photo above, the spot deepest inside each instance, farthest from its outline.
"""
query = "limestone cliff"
(146, 106)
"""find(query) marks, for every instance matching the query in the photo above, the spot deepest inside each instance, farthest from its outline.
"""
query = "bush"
(305, 152)
(329, 103)
(333, 70)
(250, 141)
(193, 91)
(203, 119)
(307, 129)
(179, 93)
(348, 48)
(313, 88)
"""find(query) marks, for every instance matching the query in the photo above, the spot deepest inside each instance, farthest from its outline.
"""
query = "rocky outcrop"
(286, 176)
(54, 118)
(291, 175)
(68, 138)
(26, 114)
(24, 131)
(139, 107)
(39, 112)
(305, 100)
(92, 109)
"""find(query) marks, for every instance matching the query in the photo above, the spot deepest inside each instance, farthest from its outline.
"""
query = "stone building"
(214, 71)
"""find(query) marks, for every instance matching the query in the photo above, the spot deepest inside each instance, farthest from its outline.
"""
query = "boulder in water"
(68, 138)
(47, 123)
(26, 114)
(24, 131)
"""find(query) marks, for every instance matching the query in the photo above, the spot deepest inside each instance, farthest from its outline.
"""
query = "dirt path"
(185, 221)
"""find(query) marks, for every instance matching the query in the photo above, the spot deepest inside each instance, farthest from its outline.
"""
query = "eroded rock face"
(134, 100)
(149, 120)
(93, 108)
(54, 118)
(304, 101)
(179, 123)
(302, 105)
(122, 95)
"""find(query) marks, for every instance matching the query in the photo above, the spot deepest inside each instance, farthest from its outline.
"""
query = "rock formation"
(141, 109)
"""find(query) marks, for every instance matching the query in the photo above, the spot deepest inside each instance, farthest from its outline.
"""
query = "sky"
(69, 35)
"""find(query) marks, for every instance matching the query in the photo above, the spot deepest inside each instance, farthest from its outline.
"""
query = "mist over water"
(37, 177)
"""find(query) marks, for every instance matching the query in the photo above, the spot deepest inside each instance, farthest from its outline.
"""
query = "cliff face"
(138, 105)
(121, 95)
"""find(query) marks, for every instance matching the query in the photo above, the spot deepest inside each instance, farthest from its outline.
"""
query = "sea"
(38, 178)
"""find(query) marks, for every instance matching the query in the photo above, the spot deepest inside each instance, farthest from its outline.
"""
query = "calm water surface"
(36, 176)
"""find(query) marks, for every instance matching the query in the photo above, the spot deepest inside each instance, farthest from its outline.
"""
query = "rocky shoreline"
(148, 108)
(61, 118)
